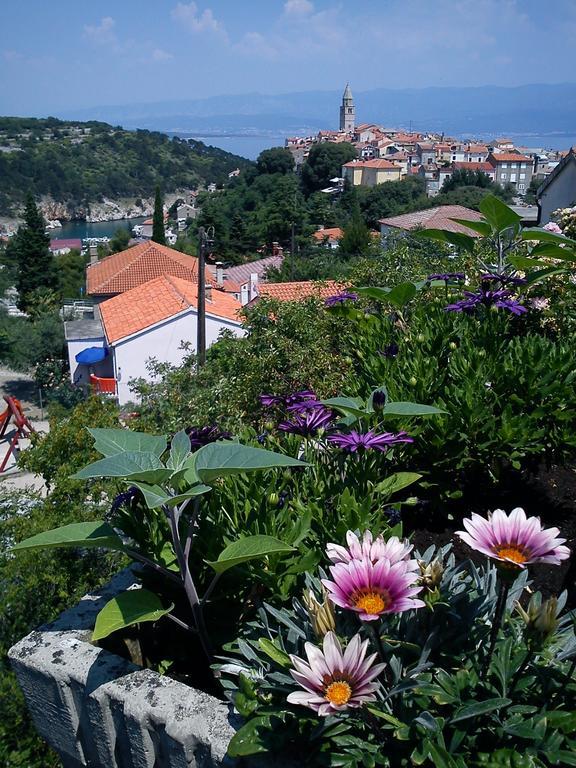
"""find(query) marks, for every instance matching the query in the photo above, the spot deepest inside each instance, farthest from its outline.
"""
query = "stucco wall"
(560, 193)
(163, 342)
(79, 374)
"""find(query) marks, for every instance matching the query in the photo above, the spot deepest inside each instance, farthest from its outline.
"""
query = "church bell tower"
(347, 111)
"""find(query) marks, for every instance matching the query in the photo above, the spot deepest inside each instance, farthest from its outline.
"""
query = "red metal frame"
(23, 427)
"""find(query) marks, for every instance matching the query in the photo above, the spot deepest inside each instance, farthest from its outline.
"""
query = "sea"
(84, 229)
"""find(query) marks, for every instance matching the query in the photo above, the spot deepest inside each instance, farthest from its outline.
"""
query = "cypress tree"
(30, 251)
(158, 233)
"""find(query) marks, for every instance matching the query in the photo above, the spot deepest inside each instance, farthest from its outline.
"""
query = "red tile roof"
(508, 157)
(299, 291)
(385, 165)
(58, 244)
(328, 233)
(435, 218)
(127, 269)
(157, 300)
(473, 166)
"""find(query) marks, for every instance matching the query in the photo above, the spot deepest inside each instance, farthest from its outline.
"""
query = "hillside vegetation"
(77, 162)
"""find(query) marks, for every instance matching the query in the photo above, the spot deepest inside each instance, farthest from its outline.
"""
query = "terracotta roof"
(127, 269)
(473, 166)
(436, 218)
(157, 300)
(57, 244)
(299, 291)
(376, 163)
(509, 157)
(476, 148)
(330, 233)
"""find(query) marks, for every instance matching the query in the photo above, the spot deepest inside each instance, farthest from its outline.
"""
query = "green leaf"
(226, 458)
(526, 262)
(553, 251)
(373, 292)
(94, 534)
(274, 652)
(385, 716)
(156, 496)
(131, 466)
(404, 408)
(131, 607)
(482, 227)
(479, 708)
(396, 482)
(401, 294)
(458, 239)
(248, 548)
(498, 214)
(109, 442)
(247, 741)
(352, 405)
(179, 450)
(544, 236)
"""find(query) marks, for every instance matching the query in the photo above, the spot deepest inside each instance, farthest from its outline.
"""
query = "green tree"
(29, 249)
(120, 239)
(158, 233)
(356, 240)
(275, 160)
(325, 162)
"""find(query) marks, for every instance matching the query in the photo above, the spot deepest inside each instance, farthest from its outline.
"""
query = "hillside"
(77, 163)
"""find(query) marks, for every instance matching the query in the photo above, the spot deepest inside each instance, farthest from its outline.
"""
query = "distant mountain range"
(538, 109)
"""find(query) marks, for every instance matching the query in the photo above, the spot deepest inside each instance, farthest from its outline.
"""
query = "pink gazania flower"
(373, 589)
(373, 549)
(514, 539)
(334, 681)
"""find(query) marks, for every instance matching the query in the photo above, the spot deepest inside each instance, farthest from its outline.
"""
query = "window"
(521, 187)
(522, 175)
(512, 177)
(503, 176)
(504, 165)
(522, 165)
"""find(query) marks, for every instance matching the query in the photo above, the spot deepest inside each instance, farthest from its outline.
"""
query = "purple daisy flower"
(373, 549)
(340, 298)
(353, 441)
(503, 279)
(308, 423)
(502, 299)
(200, 436)
(268, 401)
(124, 498)
(334, 681)
(373, 589)
(514, 539)
(390, 351)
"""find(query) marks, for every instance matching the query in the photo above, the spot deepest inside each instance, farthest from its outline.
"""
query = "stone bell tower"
(347, 111)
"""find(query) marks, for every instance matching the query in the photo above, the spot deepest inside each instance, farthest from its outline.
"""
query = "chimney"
(208, 291)
(319, 227)
(253, 285)
(219, 274)
(93, 251)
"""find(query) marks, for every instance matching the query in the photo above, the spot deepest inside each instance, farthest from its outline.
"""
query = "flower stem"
(503, 589)
(520, 671)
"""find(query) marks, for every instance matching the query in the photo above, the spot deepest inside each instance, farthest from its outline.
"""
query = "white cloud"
(189, 15)
(158, 54)
(103, 33)
(298, 8)
(255, 44)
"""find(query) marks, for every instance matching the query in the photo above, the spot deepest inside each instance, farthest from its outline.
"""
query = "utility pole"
(205, 242)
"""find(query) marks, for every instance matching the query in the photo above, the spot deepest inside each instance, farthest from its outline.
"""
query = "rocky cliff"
(106, 209)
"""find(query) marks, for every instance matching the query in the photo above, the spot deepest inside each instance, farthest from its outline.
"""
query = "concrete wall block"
(99, 710)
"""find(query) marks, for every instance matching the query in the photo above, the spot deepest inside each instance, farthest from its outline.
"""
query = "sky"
(72, 54)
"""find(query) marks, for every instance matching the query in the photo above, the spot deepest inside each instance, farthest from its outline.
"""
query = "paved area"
(23, 387)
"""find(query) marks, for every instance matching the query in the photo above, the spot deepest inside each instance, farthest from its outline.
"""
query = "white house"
(149, 321)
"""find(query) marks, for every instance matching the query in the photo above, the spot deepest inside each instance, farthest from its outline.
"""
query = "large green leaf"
(543, 235)
(352, 405)
(179, 450)
(156, 496)
(459, 239)
(109, 442)
(526, 262)
(133, 465)
(498, 214)
(131, 607)
(275, 653)
(373, 292)
(401, 294)
(404, 408)
(94, 534)
(553, 251)
(482, 227)
(248, 548)
(226, 458)
(396, 482)
(247, 740)
(479, 708)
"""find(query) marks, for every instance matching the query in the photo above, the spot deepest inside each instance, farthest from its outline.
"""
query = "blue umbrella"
(91, 355)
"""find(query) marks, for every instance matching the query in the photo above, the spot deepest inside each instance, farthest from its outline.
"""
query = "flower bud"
(540, 618)
(379, 400)
(413, 381)
(420, 338)
(273, 499)
(430, 573)
(453, 345)
(321, 614)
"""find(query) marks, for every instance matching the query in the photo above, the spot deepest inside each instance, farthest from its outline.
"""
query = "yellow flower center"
(338, 692)
(372, 602)
(513, 552)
